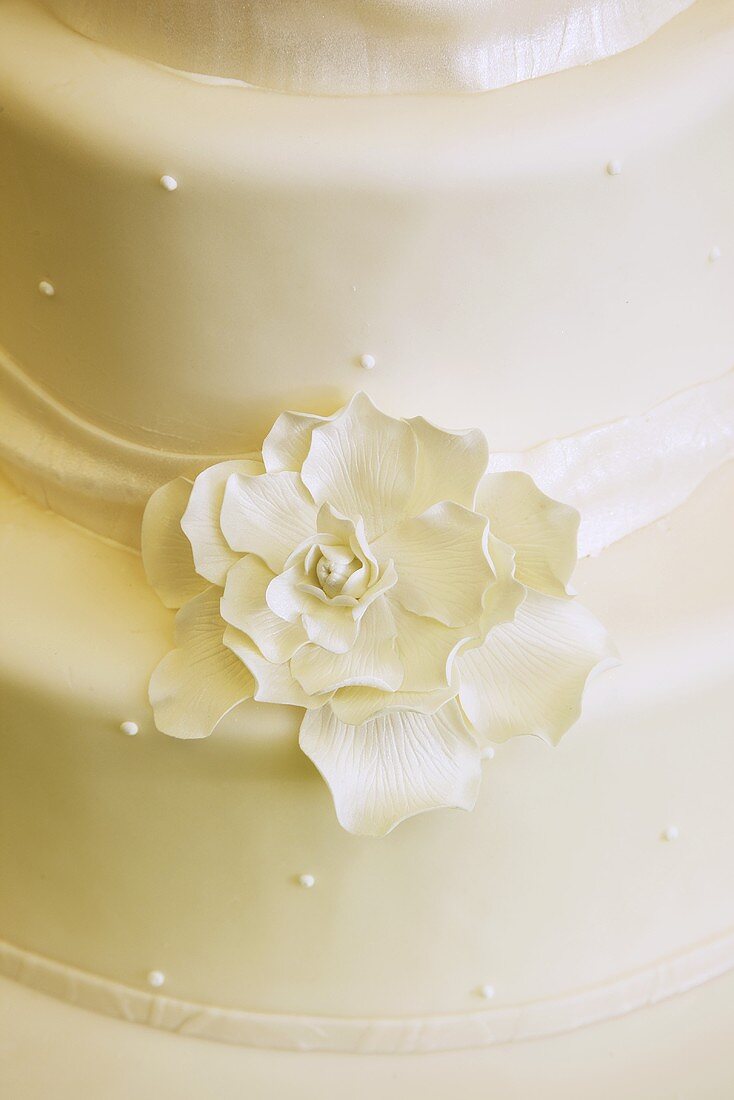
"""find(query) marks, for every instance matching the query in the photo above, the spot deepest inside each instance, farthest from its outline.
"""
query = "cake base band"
(423, 1034)
(620, 476)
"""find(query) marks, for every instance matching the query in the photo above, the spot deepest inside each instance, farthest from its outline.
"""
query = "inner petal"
(333, 571)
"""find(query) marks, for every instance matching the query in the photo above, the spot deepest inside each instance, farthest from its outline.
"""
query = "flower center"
(334, 573)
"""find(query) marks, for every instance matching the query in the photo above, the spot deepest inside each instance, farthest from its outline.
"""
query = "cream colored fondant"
(536, 262)
(183, 856)
(474, 244)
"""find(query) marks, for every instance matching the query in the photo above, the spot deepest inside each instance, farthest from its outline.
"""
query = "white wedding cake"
(334, 339)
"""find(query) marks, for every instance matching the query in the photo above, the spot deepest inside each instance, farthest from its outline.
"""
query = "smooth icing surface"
(155, 854)
(338, 47)
(474, 245)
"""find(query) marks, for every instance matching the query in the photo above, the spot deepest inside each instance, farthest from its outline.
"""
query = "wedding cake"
(366, 664)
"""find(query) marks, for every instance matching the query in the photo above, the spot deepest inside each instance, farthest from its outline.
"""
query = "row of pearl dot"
(156, 978)
(130, 729)
(366, 361)
(170, 183)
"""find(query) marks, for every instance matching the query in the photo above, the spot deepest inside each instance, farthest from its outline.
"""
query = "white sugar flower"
(367, 571)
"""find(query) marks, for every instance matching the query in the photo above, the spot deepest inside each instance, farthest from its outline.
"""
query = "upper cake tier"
(183, 260)
(339, 47)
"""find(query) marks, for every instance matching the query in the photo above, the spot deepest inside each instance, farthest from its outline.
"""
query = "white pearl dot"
(487, 752)
(130, 728)
(168, 183)
(47, 288)
(486, 991)
(714, 254)
(307, 881)
(614, 167)
(671, 832)
(156, 978)
(367, 361)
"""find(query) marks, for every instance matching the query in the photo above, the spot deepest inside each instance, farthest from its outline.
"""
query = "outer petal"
(450, 465)
(541, 531)
(503, 597)
(273, 682)
(167, 556)
(441, 564)
(529, 675)
(394, 766)
(355, 705)
(373, 660)
(363, 463)
(426, 647)
(200, 521)
(288, 441)
(269, 515)
(198, 683)
(243, 605)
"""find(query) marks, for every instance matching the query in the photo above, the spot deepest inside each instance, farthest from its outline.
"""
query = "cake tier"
(531, 261)
(336, 46)
(121, 855)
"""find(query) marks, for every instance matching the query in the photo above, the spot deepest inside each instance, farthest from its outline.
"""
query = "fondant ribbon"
(661, 979)
(620, 476)
(626, 474)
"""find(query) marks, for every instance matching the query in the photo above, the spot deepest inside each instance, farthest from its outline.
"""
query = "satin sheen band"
(631, 472)
(337, 47)
(620, 476)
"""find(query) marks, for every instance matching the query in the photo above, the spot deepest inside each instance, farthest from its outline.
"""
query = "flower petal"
(363, 463)
(200, 521)
(273, 683)
(244, 606)
(426, 647)
(541, 531)
(330, 626)
(267, 515)
(285, 596)
(372, 661)
(529, 675)
(441, 564)
(450, 465)
(167, 557)
(394, 766)
(195, 685)
(505, 594)
(355, 705)
(288, 441)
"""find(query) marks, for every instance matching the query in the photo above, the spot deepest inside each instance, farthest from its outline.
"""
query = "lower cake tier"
(207, 885)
